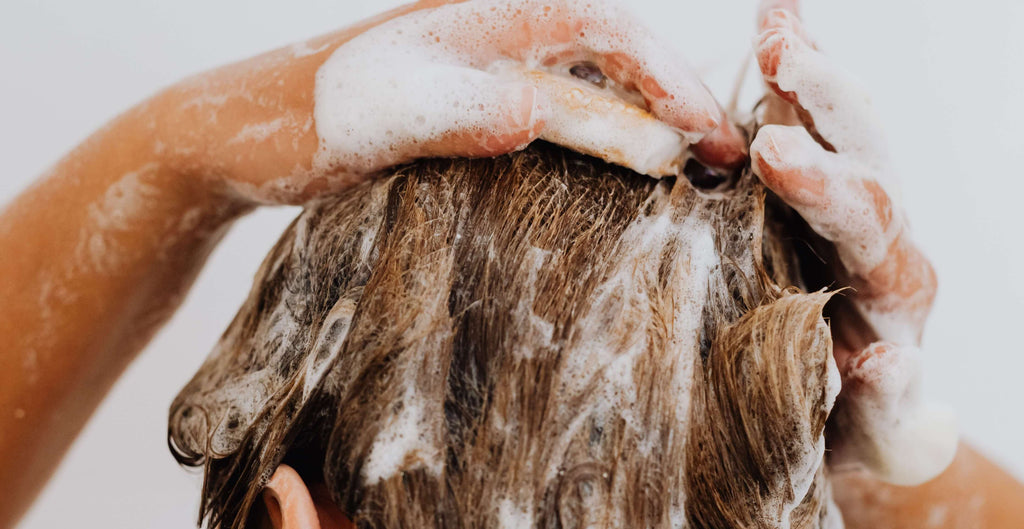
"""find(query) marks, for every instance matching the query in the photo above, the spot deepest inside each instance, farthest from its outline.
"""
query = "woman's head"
(536, 340)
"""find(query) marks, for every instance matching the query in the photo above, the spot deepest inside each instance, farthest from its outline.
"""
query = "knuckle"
(779, 18)
(772, 45)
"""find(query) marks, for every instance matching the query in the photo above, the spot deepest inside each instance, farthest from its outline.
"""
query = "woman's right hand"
(416, 82)
(822, 151)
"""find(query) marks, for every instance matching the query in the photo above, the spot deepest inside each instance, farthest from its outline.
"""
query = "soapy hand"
(435, 79)
(821, 151)
(447, 81)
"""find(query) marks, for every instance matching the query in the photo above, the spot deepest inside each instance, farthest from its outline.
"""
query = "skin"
(99, 252)
(824, 170)
(973, 492)
(291, 505)
(823, 155)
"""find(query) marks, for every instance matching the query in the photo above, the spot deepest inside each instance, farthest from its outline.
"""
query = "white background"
(946, 77)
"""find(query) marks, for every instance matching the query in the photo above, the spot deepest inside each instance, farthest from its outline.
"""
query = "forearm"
(972, 492)
(96, 255)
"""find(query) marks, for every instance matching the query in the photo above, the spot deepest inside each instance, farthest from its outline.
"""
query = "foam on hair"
(534, 340)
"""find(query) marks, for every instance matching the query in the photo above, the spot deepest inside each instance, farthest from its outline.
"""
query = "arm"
(99, 252)
(96, 256)
(972, 492)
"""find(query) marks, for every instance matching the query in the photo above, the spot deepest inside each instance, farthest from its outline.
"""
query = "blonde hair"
(537, 339)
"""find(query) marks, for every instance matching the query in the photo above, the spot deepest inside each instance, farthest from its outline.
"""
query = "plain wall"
(946, 78)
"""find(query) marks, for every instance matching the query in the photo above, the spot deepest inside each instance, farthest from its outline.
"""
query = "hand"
(822, 153)
(419, 82)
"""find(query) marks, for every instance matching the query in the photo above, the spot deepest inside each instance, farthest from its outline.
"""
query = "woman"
(78, 305)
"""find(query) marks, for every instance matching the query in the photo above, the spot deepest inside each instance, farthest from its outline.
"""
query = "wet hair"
(534, 340)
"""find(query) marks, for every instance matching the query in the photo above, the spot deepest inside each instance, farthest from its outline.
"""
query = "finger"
(782, 14)
(794, 166)
(896, 296)
(449, 110)
(830, 102)
(497, 117)
(895, 283)
(766, 8)
(725, 147)
(773, 45)
(669, 87)
(598, 123)
(881, 420)
(832, 193)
